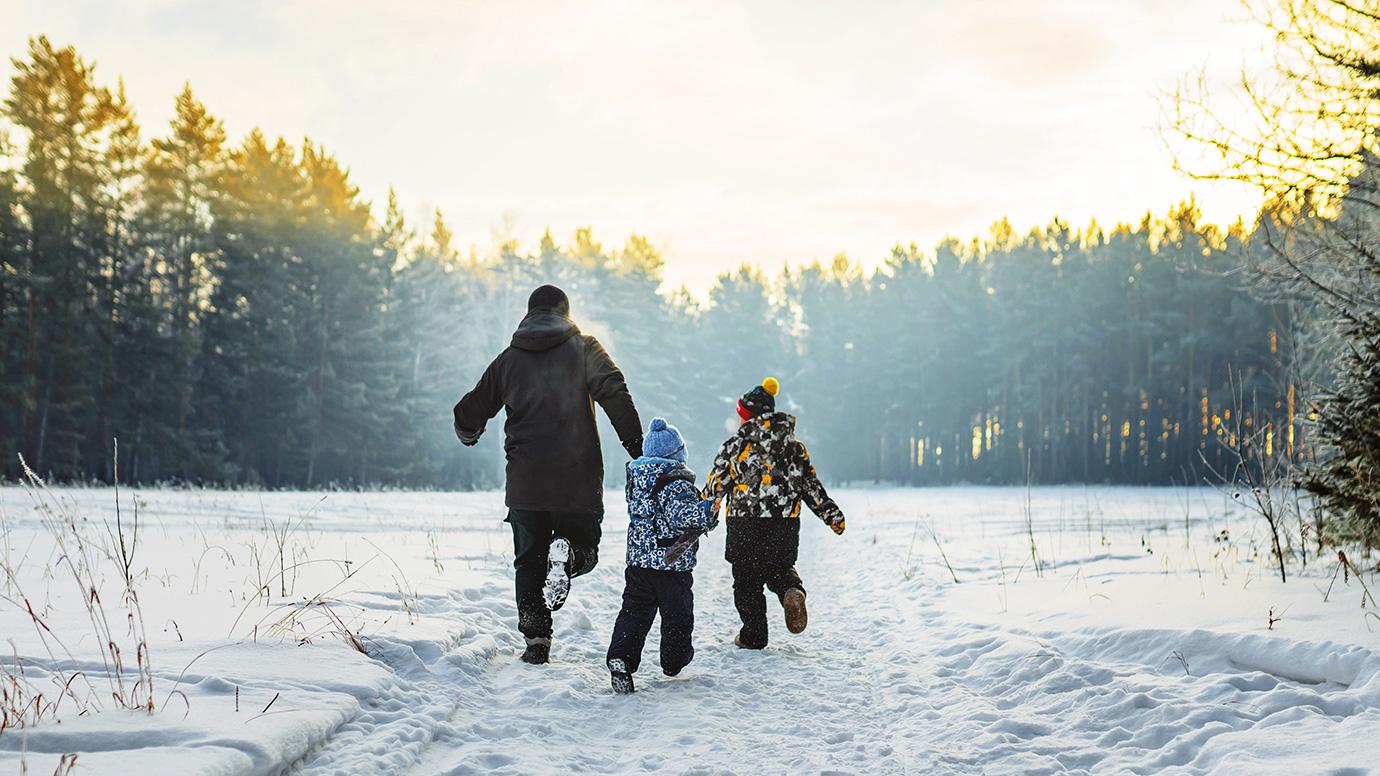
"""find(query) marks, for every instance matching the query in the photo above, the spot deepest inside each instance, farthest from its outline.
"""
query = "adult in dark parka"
(548, 379)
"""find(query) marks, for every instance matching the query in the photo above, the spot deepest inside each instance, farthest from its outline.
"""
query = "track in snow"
(886, 680)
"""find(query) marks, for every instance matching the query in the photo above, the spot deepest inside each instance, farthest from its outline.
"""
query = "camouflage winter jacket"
(764, 471)
(663, 506)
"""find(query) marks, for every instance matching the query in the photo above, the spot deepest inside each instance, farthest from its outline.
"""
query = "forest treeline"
(233, 311)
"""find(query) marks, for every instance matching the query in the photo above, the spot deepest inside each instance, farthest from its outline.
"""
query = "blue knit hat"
(663, 441)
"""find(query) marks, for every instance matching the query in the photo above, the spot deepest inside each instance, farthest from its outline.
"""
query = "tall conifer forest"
(232, 311)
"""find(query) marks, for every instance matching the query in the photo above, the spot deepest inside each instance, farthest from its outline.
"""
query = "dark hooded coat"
(548, 379)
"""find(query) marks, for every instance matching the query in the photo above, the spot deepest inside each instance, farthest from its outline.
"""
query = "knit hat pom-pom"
(662, 440)
(771, 386)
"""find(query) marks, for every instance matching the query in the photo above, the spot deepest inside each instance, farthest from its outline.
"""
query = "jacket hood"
(777, 426)
(543, 329)
(655, 466)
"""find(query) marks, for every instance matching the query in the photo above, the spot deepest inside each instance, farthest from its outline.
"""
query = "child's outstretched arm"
(806, 482)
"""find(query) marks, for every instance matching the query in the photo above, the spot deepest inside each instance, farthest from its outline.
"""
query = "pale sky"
(726, 131)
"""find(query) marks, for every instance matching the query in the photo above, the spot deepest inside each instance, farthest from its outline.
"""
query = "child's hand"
(713, 515)
(836, 523)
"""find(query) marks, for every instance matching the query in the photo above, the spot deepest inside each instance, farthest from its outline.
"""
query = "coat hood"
(543, 329)
(650, 465)
(774, 426)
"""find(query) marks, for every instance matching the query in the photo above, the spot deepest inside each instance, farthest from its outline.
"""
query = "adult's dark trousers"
(748, 580)
(532, 535)
(647, 592)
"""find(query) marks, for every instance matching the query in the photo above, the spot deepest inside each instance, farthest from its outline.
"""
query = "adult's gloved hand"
(468, 438)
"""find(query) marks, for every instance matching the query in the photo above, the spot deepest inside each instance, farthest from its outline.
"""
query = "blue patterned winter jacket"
(655, 523)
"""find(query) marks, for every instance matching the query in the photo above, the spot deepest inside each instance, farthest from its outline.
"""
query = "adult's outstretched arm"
(475, 408)
(610, 390)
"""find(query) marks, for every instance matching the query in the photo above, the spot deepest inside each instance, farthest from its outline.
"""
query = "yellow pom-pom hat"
(761, 400)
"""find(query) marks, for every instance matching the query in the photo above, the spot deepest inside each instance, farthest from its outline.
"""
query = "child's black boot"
(620, 676)
(538, 651)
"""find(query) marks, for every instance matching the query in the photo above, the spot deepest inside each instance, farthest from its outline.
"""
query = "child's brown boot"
(796, 616)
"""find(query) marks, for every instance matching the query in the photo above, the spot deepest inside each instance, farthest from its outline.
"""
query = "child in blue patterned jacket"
(665, 518)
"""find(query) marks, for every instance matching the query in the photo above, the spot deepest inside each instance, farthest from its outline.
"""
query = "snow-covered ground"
(1153, 637)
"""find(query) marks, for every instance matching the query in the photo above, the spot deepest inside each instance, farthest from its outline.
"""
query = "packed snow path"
(1153, 638)
(887, 679)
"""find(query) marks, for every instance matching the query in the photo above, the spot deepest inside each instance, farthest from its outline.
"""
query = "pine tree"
(15, 291)
(441, 343)
(740, 339)
(181, 171)
(344, 343)
(831, 334)
(123, 322)
(254, 387)
(238, 316)
(634, 324)
(1347, 477)
(400, 454)
(64, 115)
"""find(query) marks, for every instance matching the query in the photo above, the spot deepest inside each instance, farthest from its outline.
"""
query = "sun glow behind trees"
(727, 131)
(232, 312)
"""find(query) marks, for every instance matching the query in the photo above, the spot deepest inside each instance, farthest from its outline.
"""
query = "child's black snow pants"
(748, 580)
(762, 551)
(646, 592)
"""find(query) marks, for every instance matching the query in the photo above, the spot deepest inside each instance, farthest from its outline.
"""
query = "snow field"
(1141, 645)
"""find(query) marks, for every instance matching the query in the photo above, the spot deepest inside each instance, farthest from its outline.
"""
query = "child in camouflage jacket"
(665, 518)
(763, 473)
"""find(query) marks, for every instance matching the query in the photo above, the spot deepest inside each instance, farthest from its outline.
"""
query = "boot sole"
(620, 678)
(557, 586)
(738, 642)
(796, 616)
